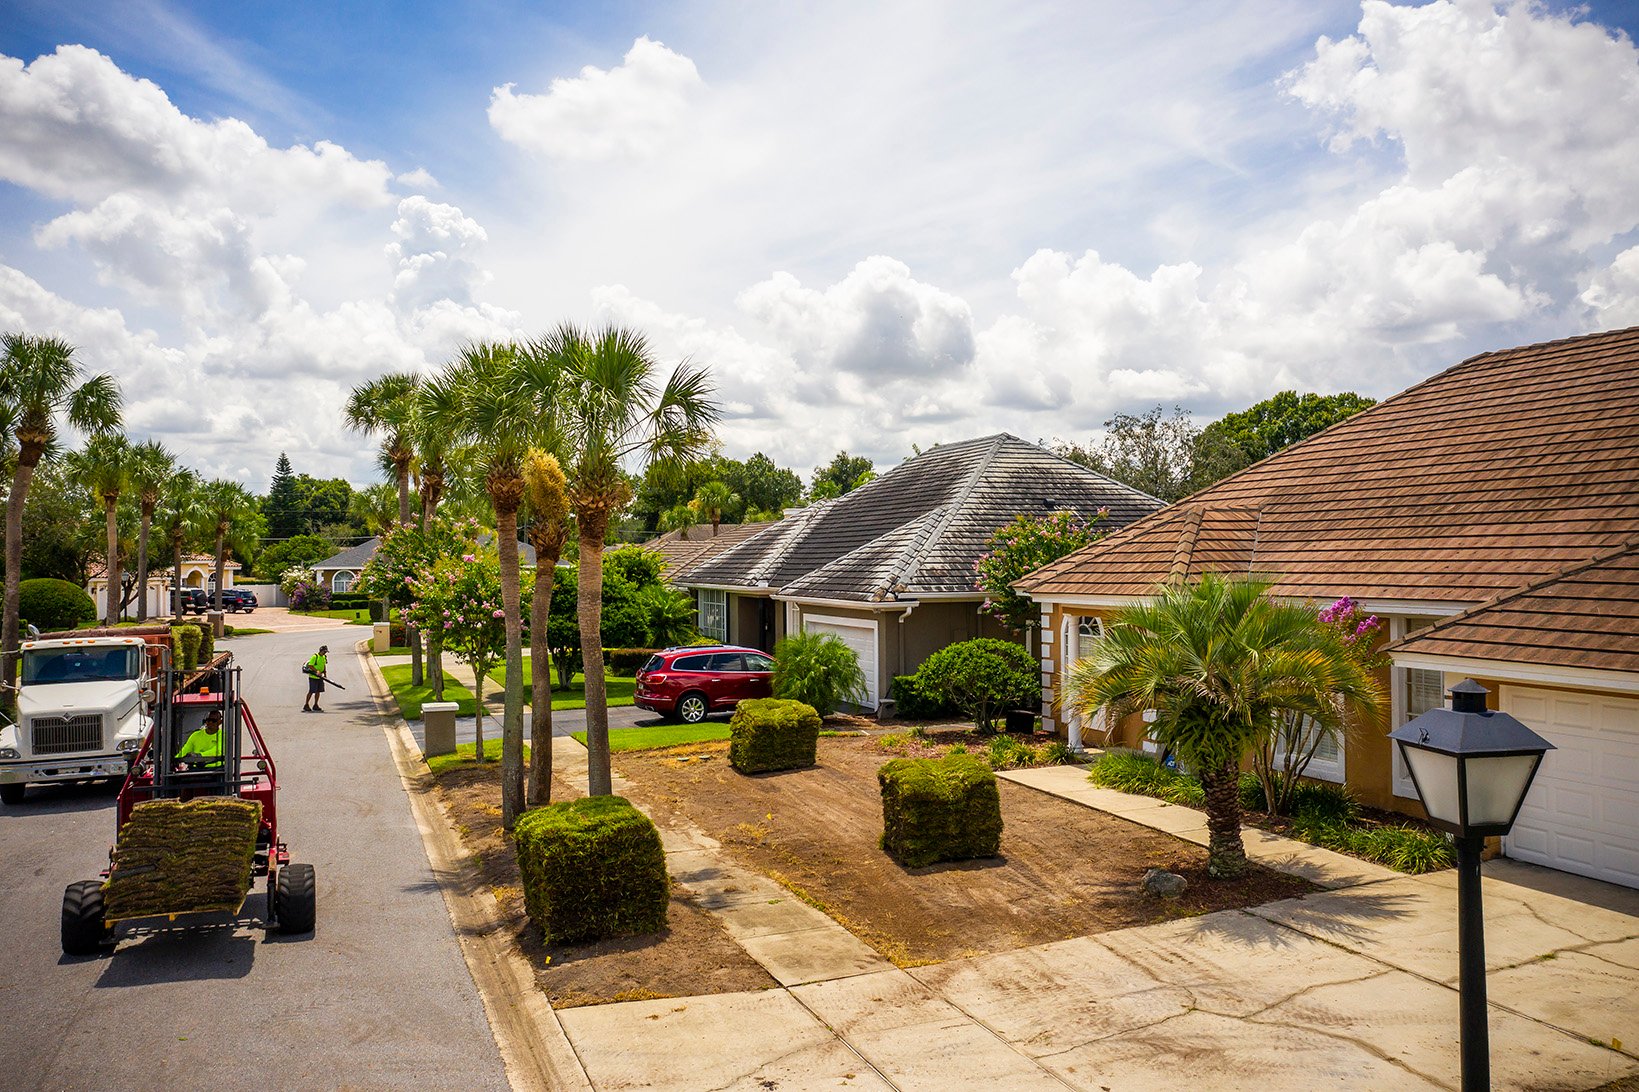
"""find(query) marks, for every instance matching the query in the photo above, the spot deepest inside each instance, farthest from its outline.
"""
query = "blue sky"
(878, 223)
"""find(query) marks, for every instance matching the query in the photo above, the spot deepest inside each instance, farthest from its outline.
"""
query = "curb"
(534, 1049)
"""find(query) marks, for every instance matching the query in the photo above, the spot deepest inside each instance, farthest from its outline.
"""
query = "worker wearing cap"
(315, 669)
(204, 747)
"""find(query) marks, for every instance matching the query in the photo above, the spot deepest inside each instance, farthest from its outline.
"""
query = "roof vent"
(1050, 504)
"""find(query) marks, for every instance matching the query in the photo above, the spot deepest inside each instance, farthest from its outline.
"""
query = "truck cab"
(83, 711)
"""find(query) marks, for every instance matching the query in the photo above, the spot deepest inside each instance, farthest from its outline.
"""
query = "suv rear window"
(690, 663)
(655, 664)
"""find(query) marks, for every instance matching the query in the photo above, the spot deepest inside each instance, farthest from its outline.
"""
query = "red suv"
(689, 683)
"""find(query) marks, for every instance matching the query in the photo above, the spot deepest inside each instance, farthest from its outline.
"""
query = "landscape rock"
(1168, 885)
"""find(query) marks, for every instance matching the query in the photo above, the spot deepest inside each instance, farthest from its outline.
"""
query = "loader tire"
(297, 894)
(83, 930)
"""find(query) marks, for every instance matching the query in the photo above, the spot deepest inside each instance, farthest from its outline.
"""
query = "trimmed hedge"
(939, 809)
(185, 643)
(592, 869)
(912, 701)
(626, 661)
(351, 601)
(54, 604)
(773, 734)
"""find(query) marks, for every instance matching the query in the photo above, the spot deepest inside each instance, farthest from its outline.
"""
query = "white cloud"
(420, 178)
(629, 110)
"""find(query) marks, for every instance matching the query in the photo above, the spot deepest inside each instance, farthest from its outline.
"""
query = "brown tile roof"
(1497, 472)
(1586, 616)
(681, 548)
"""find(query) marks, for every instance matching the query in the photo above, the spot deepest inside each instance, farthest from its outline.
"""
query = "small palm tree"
(375, 506)
(178, 515)
(151, 467)
(103, 467)
(610, 409)
(1218, 660)
(546, 496)
(227, 509)
(39, 384)
(712, 500)
(680, 517)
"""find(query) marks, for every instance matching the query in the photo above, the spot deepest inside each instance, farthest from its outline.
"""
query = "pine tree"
(283, 507)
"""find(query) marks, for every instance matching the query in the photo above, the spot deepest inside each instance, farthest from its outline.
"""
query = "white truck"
(83, 711)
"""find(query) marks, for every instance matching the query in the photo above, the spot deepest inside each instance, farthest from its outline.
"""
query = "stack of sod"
(939, 809)
(175, 858)
(592, 869)
(773, 734)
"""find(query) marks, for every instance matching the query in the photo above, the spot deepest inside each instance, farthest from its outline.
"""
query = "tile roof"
(918, 528)
(1586, 616)
(690, 545)
(1499, 471)
(355, 557)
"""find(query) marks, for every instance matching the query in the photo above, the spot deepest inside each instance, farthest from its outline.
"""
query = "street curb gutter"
(536, 1052)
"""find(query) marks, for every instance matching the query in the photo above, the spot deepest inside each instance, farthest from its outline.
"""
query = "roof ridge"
(903, 573)
(1184, 554)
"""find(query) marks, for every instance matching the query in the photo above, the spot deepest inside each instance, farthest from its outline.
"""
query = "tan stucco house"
(1490, 515)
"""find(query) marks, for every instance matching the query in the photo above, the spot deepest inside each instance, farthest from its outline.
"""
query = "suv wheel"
(692, 707)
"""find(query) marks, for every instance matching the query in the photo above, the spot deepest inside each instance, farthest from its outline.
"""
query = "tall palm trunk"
(112, 570)
(1226, 854)
(435, 639)
(142, 561)
(512, 716)
(221, 563)
(540, 677)
(27, 459)
(412, 636)
(589, 601)
(176, 585)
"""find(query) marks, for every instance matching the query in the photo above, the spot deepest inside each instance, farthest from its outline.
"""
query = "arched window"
(341, 582)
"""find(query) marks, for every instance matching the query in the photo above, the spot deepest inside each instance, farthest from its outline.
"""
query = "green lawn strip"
(665, 735)
(359, 616)
(465, 755)
(396, 650)
(247, 631)
(410, 698)
(621, 688)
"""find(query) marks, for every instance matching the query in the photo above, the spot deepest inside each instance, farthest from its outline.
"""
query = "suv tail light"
(654, 677)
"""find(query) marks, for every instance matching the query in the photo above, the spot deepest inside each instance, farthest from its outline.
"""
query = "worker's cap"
(214, 717)
(324, 648)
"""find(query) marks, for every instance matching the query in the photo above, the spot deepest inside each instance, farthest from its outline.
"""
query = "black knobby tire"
(693, 707)
(12, 793)
(83, 928)
(297, 896)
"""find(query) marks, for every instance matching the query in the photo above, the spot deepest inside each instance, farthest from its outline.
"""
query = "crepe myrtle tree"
(408, 551)
(1020, 548)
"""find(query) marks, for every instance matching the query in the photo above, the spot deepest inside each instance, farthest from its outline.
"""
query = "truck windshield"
(72, 665)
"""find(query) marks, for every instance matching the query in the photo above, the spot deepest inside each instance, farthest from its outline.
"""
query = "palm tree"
(680, 517)
(225, 507)
(178, 514)
(375, 506)
(432, 438)
(546, 494)
(40, 383)
(103, 468)
(151, 468)
(712, 499)
(611, 410)
(481, 399)
(1218, 660)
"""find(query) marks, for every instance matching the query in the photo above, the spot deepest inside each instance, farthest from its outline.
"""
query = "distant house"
(198, 571)
(688, 546)
(1490, 517)
(338, 571)
(888, 568)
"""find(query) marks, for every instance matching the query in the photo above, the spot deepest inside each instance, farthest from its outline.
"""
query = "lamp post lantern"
(1472, 767)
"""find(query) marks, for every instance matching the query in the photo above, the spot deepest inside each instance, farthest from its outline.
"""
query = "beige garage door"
(859, 636)
(1582, 814)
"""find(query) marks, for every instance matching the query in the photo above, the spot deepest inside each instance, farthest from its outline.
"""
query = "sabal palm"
(226, 507)
(1217, 660)
(386, 407)
(713, 499)
(40, 384)
(178, 515)
(103, 467)
(151, 467)
(546, 498)
(610, 409)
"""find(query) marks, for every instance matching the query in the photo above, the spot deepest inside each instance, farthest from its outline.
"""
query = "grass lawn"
(358, 616)
(396, 650)
(247, 631)
(620, 687)
(664, 735)
(464, 755)
(410, 698)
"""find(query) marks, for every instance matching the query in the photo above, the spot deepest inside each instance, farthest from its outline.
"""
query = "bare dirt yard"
(693, 956)
(1066, 870)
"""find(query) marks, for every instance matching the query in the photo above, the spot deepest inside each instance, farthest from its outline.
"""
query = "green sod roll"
(174, 858)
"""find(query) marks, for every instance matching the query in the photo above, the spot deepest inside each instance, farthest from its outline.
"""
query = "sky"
(877, 224)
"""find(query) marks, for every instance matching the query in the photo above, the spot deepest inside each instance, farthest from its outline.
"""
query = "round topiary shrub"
(54, 604)
(982, 677)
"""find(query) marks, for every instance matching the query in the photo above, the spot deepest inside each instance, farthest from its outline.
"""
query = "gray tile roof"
(918, 528)
(355, 557)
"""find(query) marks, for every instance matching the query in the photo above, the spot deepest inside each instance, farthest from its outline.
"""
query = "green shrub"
(772, 734)
(957, 749)
(939, 809)
(207, 644)
(818, 669)
(1006, 752)
(1253, 798)
(626, 661)
(911, 702)
(1332, 802)
(591, 869)
(982, 677)
(1405, 848)
(1055, 753)
(185, 642)
(54, 604)
(1129, 771)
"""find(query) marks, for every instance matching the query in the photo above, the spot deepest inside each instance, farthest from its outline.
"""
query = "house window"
(1326, 764)
(714, 614)
(341, 582)
(1090, 628)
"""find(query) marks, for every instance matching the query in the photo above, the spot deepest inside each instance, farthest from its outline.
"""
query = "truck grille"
(66, 735)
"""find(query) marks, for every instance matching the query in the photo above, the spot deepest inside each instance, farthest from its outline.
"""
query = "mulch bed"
(693, 956)
(1066, 870)
(174, 858)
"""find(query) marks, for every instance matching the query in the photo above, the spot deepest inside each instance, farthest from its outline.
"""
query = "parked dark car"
(237, 599)
(691, 683)
(198, 600)
(195, 600)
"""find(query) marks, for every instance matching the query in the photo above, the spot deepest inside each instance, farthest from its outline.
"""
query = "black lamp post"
(1472, 768)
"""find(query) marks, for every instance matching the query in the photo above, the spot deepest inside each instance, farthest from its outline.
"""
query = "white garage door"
(1582, 814)
(859, 636)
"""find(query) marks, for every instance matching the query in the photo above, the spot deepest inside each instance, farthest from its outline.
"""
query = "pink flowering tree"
(408, 552)
(1022, 547)
(459, 600)
(1285, 752)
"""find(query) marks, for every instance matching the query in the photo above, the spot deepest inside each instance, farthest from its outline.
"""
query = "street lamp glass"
(1436, 778)
(1496, 785)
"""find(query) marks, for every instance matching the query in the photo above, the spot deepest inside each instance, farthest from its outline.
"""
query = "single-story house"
(688, 546)
(889, 567)
(1489, 515)
(338, 571)
(198, 571)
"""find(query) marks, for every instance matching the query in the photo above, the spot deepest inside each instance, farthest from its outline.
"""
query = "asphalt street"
(378, 997)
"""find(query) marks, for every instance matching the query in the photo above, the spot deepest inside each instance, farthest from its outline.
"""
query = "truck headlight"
(10, 752)
(130, 746)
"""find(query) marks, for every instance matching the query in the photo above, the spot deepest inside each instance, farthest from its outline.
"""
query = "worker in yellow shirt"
(314, 669)
(203, 751)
